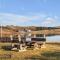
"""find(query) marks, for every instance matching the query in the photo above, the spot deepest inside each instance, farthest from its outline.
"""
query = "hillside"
(8, 30)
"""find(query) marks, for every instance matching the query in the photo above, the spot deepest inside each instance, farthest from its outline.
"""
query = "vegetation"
(51, 52)
(8, 30)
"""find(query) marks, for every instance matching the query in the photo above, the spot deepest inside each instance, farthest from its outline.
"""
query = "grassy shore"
(51, 52)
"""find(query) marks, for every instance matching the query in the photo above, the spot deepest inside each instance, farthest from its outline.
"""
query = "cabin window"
(39, 35)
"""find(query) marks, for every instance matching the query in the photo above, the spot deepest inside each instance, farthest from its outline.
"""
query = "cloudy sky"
(30, 12)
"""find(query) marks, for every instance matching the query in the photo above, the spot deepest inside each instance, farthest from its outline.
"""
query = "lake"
(55, 38)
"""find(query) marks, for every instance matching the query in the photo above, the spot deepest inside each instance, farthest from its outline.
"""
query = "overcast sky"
(30, 12)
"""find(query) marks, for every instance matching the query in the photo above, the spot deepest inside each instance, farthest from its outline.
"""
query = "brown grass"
(32, 54)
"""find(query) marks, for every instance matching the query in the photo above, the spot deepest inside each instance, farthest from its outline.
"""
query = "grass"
(47, 56)
(51, 52)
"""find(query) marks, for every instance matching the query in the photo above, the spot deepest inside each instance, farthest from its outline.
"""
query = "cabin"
(28, 40)
(24, 39)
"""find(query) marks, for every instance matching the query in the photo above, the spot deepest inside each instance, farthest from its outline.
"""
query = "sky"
(30, 12)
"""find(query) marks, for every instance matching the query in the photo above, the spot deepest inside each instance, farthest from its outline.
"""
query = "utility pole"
(1, 31)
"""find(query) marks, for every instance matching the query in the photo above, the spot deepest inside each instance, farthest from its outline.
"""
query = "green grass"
(52, 55)
(46, 56)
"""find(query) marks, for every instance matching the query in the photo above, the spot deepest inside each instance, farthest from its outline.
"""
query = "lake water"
(53, 38)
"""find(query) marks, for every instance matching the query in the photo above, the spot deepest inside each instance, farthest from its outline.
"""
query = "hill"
(8, 30)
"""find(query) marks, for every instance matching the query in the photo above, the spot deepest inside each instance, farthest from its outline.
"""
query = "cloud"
(35, 19)
(39, 17)
(49, 21)
(56, 17)
(7, 18)
(20, 18)
(13, 17)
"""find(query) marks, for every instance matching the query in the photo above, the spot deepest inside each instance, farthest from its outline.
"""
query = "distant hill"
(8, 30)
